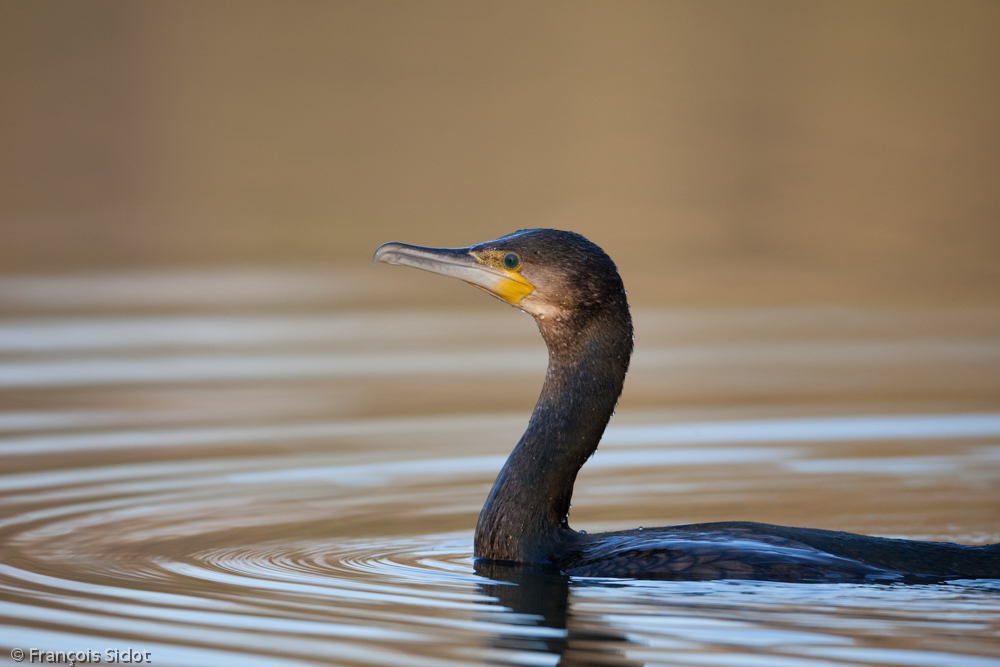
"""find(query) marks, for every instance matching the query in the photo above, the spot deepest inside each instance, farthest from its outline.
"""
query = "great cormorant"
(573, 290)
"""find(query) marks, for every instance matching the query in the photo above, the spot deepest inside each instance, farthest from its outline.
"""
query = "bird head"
(548, 273)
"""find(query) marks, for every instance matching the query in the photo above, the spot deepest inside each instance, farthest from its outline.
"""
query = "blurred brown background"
(722, 152)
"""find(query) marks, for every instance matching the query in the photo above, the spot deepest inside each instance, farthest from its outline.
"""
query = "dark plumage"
(573, 290)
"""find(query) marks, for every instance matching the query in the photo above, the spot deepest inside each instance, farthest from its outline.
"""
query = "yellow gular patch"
(511, 286)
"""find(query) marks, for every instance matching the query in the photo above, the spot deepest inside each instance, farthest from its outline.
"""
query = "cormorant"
(573, 290)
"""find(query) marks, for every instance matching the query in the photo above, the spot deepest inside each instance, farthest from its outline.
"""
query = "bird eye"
(511, 261)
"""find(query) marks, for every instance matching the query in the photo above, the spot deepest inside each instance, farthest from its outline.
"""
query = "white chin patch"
(540, 309)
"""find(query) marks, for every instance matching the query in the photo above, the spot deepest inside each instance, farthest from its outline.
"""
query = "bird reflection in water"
(537, 609)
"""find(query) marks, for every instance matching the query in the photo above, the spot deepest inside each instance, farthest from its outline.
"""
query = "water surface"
(226, 474)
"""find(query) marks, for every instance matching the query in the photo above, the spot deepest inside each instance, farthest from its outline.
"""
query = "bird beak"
(458, 263)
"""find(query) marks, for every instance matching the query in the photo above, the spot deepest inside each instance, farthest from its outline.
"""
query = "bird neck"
(525, 517)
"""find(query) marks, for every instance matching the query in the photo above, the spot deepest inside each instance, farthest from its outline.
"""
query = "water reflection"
(537, 607)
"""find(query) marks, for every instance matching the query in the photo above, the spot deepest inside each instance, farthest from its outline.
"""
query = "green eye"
(511, 261)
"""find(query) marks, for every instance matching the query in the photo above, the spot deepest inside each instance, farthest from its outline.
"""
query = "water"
(221, 469)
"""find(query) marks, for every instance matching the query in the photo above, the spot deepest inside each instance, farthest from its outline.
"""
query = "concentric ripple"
(434, 570)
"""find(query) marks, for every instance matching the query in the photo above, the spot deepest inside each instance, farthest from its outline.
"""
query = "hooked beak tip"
(385, 253)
